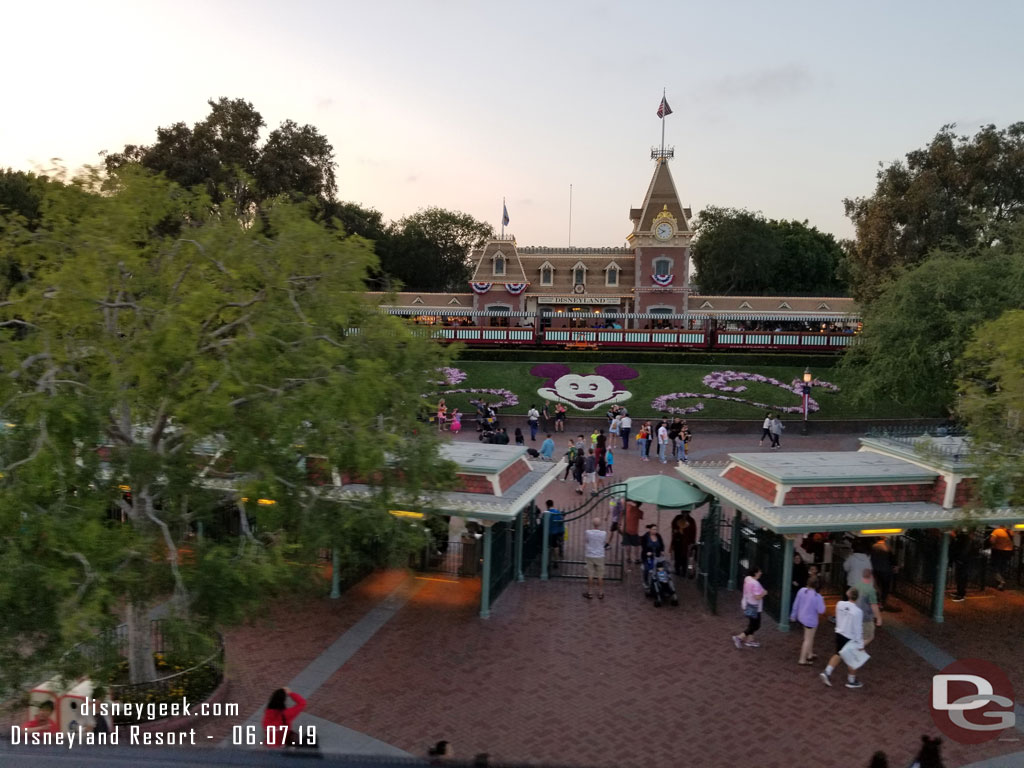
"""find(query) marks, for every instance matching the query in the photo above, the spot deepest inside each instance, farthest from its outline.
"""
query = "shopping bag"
(854, 657)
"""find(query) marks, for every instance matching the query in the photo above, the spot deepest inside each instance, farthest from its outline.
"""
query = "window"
(663, 266)
(579, 276)
(611, 275)
(547, 275)
(499, 266)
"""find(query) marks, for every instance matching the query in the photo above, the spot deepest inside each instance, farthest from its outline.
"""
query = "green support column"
(785, 604)
(199, 530)
(485, 579)
(519, 545)
(335, 574)
(939, 598)
(734, 551)
(544, 552)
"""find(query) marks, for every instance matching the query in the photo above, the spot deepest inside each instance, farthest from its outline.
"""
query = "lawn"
(654, 381)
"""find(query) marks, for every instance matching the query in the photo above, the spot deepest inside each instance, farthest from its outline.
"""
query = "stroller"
(486, 418)
(658, 580)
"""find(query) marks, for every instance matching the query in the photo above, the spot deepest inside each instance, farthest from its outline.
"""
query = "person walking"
(662, 442)
(278, 718)
(882, 565)
(556, 532)
(602, 469)
(682, 525)
(775, 429)
(867, 601)
(807, 607)
(855, 564)
(609, 459)
(590, 472)
(596, 542)
(578, 468)
(631, 531)
(570, 460)
(1002, 553)
(533, 421)
(617, 506)
(849, 628)
(752, 604)
(766, 430)
(545, 416)
(625, 427)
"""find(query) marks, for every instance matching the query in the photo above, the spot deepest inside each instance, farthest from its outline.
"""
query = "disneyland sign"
(576, 300)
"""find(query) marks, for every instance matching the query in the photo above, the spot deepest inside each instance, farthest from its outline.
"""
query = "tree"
(429, 250)
(741, 252)
(955, 192)
(223, 154)
(991, 388)
(193, 371)
(922, 321)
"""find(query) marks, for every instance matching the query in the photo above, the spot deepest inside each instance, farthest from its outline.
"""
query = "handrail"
(617, 489)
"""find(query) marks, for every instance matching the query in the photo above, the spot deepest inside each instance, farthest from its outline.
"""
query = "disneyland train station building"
(642, 285)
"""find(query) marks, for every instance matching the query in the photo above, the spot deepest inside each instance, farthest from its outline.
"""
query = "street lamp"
(808, 378)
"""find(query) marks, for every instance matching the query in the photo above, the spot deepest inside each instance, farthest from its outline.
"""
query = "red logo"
(972, 701)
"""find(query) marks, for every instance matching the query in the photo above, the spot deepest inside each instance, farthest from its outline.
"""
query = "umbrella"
(665, 491)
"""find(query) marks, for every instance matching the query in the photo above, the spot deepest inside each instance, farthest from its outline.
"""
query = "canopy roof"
(665, 491)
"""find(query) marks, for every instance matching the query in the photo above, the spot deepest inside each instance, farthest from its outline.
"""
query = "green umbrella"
(665, 491)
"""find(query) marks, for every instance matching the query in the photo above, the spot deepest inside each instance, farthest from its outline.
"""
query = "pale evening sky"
(782, 107)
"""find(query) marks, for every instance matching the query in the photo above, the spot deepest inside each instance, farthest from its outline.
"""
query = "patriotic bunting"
(663, 281)
(481, 287)
(516, 288)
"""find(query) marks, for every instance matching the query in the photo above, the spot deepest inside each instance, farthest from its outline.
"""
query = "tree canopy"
(739, 252)
(223, 153)
(153, 377)
(920, 324)
(957, 191)
(991, 403)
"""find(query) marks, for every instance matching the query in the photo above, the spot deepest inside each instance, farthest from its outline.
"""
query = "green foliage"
(161, 345)
(954, 192)
(991, 386)
(739, 252)
(222, 153)
(919, 326)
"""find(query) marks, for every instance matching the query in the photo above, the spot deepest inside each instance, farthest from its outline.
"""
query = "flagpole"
(570, 215)
(663, 125)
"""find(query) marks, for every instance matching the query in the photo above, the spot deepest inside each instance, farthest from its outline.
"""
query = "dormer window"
(579, 276)
(547, 274)
(499, 266)
(611, 275)
(663, 266)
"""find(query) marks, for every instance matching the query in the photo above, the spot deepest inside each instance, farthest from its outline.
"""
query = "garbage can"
(470, 555)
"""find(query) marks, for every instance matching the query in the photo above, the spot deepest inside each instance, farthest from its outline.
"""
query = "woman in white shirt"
(766, 429)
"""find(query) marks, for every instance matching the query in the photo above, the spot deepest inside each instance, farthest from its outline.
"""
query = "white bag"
(854, 657)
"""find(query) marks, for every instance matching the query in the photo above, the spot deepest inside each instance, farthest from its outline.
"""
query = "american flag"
(664, 108)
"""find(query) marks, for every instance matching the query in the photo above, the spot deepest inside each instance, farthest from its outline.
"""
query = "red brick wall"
(860, 494)
(939, 491)
(753, 483)
(510, 475)
(474, 484)
(317, 471)
(964, 492)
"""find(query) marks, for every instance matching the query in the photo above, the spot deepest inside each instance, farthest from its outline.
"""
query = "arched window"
(612, 276)
(663, 266)
(499, 266)
(547, 275)
(579, 276)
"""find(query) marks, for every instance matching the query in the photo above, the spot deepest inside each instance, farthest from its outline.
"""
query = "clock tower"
(660, 241)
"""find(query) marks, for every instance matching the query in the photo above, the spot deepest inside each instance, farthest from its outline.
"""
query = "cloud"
(411, 179)
(768, 84)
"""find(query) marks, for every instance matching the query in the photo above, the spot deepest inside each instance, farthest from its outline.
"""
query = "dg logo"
(972, 701)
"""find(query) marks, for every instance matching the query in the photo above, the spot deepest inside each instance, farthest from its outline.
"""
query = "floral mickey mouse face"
(585, 392)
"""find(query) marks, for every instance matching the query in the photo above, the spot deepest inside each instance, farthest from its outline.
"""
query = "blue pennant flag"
(504, 215)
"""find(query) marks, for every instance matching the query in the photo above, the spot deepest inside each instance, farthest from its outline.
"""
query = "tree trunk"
(141, 665)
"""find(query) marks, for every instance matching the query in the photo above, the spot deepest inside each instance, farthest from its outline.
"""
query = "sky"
(784, 108)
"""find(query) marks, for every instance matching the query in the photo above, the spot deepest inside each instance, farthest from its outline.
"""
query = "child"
(442, 415)
(609, 459)
(456, 422)
(519, 436)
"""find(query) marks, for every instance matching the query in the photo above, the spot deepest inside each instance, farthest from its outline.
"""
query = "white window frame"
(669, 259)
(579, 265)
(613, 267)
(551, 270)
(499, 259)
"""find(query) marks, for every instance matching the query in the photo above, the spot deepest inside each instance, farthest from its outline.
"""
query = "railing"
(493, 335)
(783, 339)
(623, 337)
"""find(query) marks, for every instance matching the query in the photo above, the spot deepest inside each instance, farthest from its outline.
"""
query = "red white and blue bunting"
(481, 287)
(663, 281)
(516, 288)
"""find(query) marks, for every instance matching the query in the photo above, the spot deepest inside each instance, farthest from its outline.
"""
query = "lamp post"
(808, 378)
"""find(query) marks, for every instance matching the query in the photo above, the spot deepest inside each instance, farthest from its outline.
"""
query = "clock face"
(663, 231)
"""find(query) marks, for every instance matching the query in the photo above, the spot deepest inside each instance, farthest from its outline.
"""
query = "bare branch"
(180, 596)
(228, 326)
(28, 361)
(296, 307)
(181, 278)
(329, 340)
(159, 423)
(41, 440)
(90, 574)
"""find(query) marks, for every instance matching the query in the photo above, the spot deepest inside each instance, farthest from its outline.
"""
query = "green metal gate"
(709, 557)
(572, 564)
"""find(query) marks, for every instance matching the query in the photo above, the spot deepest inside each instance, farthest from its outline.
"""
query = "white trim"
(608, 272)
(651, 310)
(417, 300)
(455, 301)
(706, 305)
(499, 307)
(494, 264)
(576, 266)
(784, 305)
(663, 257)
(547, 265)
(745, 305)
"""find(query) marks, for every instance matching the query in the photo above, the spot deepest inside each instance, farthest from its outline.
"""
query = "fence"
(570, 562)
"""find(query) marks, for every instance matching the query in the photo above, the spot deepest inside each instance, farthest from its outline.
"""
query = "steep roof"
(484, 271)
(661, 195)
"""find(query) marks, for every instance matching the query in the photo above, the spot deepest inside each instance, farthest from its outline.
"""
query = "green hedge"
(677, 357)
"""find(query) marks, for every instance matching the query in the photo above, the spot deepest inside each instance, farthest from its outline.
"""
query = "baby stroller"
(658, 581)
(486, 417)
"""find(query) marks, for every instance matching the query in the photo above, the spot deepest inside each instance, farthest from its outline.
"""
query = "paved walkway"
(400, 662)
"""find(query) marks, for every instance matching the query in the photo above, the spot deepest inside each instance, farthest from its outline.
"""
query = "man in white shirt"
(533, 419)
(662, 442)
(594, 541)
(849, 626)
(625, 427)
